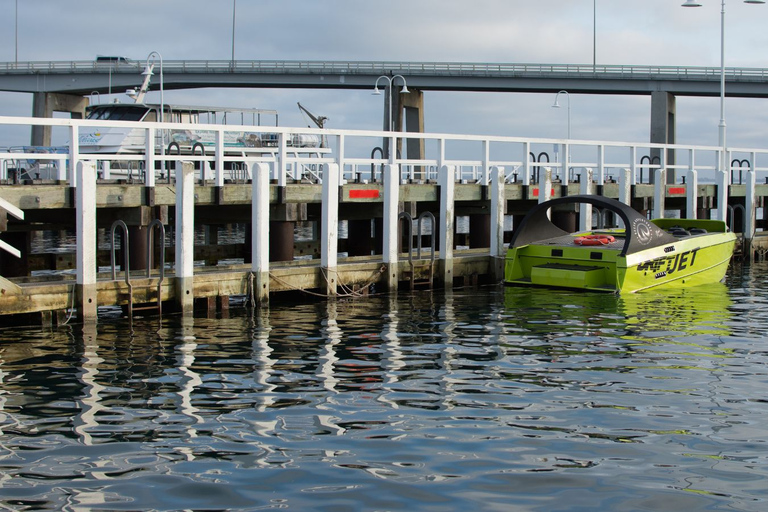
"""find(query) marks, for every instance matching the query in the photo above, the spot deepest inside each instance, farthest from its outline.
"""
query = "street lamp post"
(148, 71)
(557, 105)
(391, 82)
(234, 7)
(16, 32)
(721, 125)
(566, 159)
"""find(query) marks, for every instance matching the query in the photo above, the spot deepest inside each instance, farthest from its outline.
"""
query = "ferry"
(121, 140)
(642, 255)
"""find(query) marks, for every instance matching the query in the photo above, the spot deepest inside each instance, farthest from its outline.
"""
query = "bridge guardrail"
(382, 67)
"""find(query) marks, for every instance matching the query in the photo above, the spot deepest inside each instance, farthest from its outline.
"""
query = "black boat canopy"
(641, 233)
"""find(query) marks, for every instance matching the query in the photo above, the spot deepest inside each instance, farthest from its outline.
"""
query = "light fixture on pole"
(391, 81)
(721, 125)
(390, 123)
(557, 105)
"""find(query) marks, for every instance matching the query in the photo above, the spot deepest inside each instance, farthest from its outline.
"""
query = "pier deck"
(380, 203)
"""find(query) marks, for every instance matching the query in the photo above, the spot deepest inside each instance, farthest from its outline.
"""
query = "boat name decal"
(671, 248)
(667, 265)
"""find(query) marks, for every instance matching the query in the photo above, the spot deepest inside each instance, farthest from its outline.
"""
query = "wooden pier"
(400, 217)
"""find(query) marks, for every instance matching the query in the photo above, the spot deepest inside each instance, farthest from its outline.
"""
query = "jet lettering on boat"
(667, 265)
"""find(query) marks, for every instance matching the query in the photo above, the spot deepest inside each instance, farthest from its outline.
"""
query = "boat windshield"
(115, 113)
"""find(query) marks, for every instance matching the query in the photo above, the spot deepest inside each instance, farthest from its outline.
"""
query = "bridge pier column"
(412, 116)
(663, 122)
(44, 104)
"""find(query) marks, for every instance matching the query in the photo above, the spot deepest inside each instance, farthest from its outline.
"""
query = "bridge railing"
(383, 67)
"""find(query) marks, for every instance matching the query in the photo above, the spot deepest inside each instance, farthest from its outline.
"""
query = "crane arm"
(319, 121)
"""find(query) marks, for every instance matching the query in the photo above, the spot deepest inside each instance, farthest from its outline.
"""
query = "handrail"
(156, 223)
(126, 260)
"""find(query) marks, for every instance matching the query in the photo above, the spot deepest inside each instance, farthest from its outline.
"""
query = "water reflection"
(511, 395)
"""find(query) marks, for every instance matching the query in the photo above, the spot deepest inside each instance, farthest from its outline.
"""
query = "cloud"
(630, 32)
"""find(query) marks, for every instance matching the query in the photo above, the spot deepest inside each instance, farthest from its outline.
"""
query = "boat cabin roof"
(641, 233)
(137, 111)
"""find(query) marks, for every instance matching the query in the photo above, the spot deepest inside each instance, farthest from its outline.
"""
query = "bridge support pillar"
(663, 114)
(44, 104)
(412, 116)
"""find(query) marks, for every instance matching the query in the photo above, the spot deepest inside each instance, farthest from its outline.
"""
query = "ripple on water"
(481, 398)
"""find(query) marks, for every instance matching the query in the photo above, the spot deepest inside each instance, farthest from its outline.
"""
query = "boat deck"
(567, 241)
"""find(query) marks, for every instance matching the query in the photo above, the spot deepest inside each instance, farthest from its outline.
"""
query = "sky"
(638, 32)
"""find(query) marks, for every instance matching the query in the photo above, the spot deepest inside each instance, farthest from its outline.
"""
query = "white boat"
(132, 140)
(125, 140)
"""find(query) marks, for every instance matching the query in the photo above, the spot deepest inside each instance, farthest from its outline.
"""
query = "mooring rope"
(347, 291)
(71, 306)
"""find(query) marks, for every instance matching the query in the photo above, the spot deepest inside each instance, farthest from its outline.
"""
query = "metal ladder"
(419, 267)
(126, 263)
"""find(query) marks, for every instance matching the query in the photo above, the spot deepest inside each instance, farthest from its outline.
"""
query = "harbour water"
(484, 398)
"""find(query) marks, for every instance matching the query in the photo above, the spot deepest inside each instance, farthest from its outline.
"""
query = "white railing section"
(351, 150)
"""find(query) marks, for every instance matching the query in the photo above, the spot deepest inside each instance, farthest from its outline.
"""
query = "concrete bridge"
(62, 86)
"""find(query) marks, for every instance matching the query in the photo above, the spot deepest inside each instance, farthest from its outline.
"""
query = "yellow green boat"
(642, 255)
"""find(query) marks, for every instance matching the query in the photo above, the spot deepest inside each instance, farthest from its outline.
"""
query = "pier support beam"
(260, 232)
(663, 113)
(721, 179)
(691, 195)
(391, 223)
(185, 235)
(281, 240)
(329, 243)
(447, 181)
(659, 193)
(498, 207)
(751, 211)
(85, 201)
(44, 104)
(585, 210)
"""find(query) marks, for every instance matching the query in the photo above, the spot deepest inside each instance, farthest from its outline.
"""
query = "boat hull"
(690, 261)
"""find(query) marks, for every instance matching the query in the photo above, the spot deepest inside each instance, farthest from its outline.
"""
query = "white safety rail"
(351, 150)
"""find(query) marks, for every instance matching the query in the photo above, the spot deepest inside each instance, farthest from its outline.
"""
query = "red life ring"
(594, 240)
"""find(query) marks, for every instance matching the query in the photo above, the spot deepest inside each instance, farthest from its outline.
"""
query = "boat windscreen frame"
(641, 233)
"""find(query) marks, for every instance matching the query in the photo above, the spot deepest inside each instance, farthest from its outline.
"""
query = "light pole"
(234, 8)
(391, 81)
(557, 105)
(16, 32)
(148, 71)
(721, 125)
(376, 91)
(594, 35)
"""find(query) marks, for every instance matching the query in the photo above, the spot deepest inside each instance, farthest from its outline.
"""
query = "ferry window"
(117, 114)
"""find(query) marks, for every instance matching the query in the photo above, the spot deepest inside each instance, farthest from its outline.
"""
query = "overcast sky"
(645, 32)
